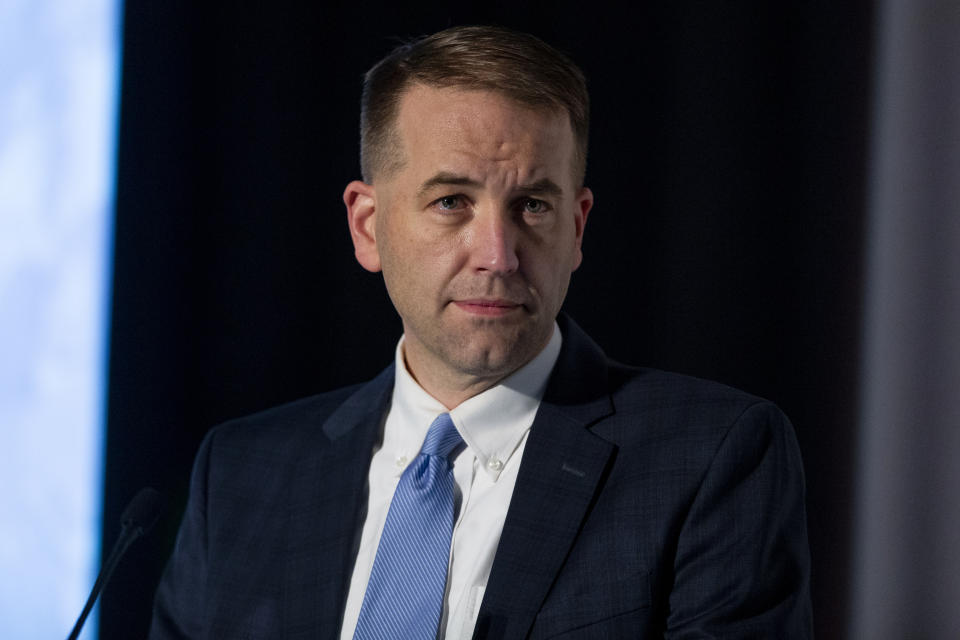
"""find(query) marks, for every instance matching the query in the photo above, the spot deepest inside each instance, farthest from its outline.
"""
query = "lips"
(487, 306)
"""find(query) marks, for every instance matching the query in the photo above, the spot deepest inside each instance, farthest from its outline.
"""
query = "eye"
(449, 203)
(532, 205)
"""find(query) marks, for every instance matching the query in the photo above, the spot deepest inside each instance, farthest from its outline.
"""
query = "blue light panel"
(59, 69)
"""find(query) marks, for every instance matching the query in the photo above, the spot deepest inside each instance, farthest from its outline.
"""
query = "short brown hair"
(516, 65)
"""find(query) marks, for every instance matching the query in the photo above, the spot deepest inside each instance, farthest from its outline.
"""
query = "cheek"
(548, 268)
(440, 253)
(419, 267)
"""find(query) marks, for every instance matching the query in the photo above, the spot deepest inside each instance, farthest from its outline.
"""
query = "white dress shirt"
(494, 425)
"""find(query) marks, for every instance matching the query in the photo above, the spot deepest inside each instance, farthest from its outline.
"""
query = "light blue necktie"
(404, 597)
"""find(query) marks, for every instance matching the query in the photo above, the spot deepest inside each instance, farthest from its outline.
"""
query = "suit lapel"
(328, 502)
(563, 464)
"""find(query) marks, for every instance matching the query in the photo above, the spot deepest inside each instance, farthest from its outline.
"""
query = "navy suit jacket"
(647, 505)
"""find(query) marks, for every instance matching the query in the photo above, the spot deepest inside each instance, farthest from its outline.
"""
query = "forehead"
(483, 130)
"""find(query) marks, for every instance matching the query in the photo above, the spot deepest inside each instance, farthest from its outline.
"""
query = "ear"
(361, 202)
(582, 205)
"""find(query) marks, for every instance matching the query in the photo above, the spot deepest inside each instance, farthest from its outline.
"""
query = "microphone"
(137, 519)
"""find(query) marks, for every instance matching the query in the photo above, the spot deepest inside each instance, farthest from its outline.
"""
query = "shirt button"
(401, 461)
(494, 465)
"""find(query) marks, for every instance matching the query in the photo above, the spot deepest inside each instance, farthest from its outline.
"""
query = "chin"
(496, 361)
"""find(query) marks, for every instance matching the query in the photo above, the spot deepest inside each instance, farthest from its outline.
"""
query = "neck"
(453, 389)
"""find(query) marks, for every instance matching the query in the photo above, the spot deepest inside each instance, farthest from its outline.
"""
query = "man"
(502, 479)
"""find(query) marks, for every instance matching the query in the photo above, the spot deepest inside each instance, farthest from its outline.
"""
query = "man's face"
(476, 233)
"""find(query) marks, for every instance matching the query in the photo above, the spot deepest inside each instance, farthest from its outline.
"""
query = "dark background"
(728, 155)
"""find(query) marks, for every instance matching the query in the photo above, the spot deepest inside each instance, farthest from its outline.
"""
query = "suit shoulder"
(296, 409)
(677, 404)
(288, 422)
(653, 388)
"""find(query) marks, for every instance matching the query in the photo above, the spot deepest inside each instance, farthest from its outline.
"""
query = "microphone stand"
(138, 518)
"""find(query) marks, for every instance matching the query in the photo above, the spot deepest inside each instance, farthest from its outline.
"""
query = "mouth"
(488, 307)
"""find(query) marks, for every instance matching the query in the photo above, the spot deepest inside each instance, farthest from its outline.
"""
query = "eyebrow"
(544, 186)
(445, 178)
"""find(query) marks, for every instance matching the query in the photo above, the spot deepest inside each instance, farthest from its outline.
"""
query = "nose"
(494, 243)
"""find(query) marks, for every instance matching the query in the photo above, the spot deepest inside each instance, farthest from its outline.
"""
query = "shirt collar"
(492, 423)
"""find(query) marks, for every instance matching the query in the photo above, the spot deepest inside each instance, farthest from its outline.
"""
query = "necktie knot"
(442, 437)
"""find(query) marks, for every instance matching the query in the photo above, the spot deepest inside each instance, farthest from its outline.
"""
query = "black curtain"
(728, 155)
